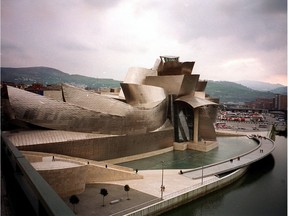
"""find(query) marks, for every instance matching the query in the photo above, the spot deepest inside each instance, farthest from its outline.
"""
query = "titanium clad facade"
(176, 84)
(195, 102)
(137, 75)
(38, 110)
(94, 101)
(143, 94)
(201, 86)
(207, 116)
(112, 128)
(174, 67)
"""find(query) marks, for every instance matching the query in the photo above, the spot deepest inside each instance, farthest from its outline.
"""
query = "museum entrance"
(183, 122)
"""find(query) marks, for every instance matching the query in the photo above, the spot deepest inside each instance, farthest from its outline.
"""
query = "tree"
(74, 200)
(104, 193)
(272, 132)
(127, 189)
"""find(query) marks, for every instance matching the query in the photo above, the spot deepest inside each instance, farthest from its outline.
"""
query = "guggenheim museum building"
(156, 110)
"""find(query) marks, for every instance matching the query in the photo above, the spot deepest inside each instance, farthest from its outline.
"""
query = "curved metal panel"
(206, 120)
(141, 94)
(201, 86)
(49, 113)
(195, 101)
(176, 84)
(93, 101)
(175, 68)
(187, 67)
(137, 75)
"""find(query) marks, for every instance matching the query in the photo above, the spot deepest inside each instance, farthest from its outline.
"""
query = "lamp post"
(162, 186)
(202, 171)
(202, 175)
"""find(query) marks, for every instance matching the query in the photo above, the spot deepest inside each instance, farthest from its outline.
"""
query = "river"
(261, 191)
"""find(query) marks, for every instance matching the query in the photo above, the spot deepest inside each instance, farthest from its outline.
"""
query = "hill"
(233, 92)
(46, 75)
(226, 91)
(260, 86)
(281, 90)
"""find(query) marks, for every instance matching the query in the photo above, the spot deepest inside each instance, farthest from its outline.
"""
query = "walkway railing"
(43, 199)
(134, 208)
(187, 194)
(258, 139)
(195, 186)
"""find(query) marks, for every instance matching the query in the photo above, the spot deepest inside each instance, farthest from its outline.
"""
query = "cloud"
(239, 62)
(105, 38)
(100, 4)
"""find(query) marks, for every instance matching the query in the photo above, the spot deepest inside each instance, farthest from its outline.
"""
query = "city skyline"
(228, 40)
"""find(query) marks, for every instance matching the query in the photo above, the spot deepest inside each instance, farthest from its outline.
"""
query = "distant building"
(280, 102)
(261, 103)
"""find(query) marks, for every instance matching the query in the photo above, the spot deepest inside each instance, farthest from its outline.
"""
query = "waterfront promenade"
(146, 192)
(265, 147)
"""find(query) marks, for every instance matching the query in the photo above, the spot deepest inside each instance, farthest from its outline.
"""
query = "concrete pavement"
(146, 191)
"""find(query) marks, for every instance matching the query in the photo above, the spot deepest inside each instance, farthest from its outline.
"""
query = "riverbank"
(261, 191)
(177, 187)
(145, 195)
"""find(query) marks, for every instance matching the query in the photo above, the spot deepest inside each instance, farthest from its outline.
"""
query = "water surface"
(262, 191)
(227, 147)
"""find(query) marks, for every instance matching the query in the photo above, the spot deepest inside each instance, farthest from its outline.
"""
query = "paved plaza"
(142, 193)
(146, 191)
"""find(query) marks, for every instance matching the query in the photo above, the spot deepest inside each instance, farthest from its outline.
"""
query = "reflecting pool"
(227, 147)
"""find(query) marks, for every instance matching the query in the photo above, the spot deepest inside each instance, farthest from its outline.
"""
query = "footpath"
(146, 192)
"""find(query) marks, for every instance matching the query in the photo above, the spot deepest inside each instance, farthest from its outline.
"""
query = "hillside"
(260, 86)
(226, 91)
(281, 90)
(233, 92)
(46, 75)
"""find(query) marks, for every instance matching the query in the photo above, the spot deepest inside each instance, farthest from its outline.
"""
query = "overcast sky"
(228, 39)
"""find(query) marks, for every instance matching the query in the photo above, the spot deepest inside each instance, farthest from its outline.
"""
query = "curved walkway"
(265, 147)
(147, 190)
(175, 182)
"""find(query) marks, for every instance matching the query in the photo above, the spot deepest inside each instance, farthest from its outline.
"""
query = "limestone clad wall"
(106, 148)
(98, 174)
(66, 181)
(72, 180)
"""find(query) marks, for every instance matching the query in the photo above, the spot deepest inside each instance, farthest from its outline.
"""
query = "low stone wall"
(98, 174)
(189, 195)
(32, 158)
(203, 146)
(35, 191)
(139, 156)
(180, 146)
(72, 180)
(66, 182)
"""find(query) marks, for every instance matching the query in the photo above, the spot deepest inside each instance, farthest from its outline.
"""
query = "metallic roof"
(175, 84)
(142, 94)
(94, 101)
(195, 101)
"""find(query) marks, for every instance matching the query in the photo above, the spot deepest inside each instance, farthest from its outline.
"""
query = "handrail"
(134, 208)
(224, 161)
(47, 200)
